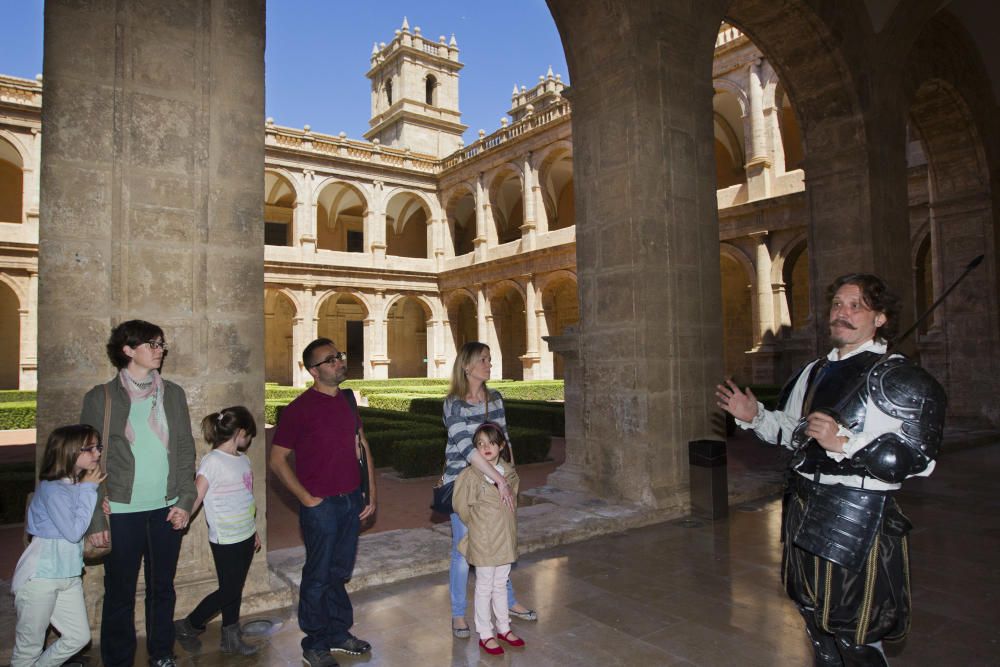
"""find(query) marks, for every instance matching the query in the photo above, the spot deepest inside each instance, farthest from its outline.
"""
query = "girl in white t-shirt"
(225, 485)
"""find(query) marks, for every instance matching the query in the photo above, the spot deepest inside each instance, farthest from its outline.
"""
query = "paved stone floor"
(690, 593)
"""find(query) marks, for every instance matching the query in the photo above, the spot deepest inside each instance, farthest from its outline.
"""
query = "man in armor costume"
(859, 422)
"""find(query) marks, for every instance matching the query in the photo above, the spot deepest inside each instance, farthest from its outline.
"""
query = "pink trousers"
(491, 586)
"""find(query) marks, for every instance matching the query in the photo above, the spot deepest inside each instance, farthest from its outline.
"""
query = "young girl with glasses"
(491, 542)
(46, 584)
(225, 485)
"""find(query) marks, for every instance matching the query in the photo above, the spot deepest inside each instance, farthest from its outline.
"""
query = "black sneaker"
(315, 658)
(352, 646)
(168, 661)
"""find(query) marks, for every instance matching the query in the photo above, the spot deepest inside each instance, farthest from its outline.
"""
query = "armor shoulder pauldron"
(903, 390)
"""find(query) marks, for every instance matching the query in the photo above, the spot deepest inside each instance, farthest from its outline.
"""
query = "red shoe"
(492, 651)
(513, 642)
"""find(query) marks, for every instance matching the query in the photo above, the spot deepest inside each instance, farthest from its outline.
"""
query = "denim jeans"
(330, 534)
(458, 572)
(147, 539)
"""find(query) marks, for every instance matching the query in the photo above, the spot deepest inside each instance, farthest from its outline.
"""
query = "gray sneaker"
(315, 658)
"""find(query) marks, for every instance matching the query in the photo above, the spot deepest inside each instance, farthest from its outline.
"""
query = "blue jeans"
(330, 534)
(458, 573)
(145, 538)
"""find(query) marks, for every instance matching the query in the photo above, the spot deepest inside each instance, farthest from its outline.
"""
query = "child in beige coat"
(491, 543)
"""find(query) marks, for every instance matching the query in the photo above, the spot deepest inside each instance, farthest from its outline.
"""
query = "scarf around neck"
(152, 386)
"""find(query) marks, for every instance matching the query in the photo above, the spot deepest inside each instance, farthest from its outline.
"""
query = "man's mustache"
(842, 323)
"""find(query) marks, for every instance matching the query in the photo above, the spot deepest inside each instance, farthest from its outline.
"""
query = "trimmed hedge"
(532, 390)
(396, 382)
(17, 395)
(550, 417)
(420, 457)
(17, 414)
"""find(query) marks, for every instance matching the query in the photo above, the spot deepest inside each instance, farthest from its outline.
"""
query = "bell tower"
(415, 94)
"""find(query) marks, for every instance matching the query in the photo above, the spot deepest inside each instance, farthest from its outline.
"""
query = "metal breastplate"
(840, 392)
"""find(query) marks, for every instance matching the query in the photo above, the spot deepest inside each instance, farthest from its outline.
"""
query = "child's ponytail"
(222, 426)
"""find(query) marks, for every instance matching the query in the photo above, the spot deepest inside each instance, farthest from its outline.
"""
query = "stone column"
(762, 357)
(308, 232)
(369, 343)
(758, 167)
(648, 264)
(380, 351)
(377, 229)
(151, 168)
(304, 331)
(433, 247)
(30, 191)
(482, 307)
(541, 215)
(763, 294)
(29, 337)
(546, 361)
(531, 356)
(480, 242)
(528, 229)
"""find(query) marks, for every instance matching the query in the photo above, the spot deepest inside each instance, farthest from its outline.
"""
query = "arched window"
(429, 86)
(388, 91)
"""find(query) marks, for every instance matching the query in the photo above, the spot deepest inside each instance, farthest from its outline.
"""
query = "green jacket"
(118, 487)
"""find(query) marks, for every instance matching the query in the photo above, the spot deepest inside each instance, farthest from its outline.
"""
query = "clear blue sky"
(318, 52)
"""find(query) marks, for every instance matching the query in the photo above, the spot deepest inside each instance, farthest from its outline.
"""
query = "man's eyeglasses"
(157, 345)
(98, 448)
(340, 356)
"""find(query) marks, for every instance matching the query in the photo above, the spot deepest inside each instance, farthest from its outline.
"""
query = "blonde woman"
(470, 403)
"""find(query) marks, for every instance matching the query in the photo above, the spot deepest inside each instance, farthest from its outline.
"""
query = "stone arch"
(555, 177)
(460, 211)
(951, 112)
(406, 318)
(463, 321)
(506, 197)
(16, 287)
(791, 269)
(737, 275)
(341, 317)
(407, 217)
(12, 168)
(561, 309)
(341, 208)
(281, 196)
(280, 310)
(803, 42)
(730, 108)
(789, 129)
(510, 335)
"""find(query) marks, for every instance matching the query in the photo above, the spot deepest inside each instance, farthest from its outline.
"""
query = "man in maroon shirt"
(320, 426)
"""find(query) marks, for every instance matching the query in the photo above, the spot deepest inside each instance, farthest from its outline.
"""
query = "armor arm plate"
(891, 458)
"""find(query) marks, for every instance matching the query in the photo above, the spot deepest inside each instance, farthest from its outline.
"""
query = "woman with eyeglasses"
(150, 490)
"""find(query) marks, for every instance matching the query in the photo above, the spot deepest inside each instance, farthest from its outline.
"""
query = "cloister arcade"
(401, 257)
